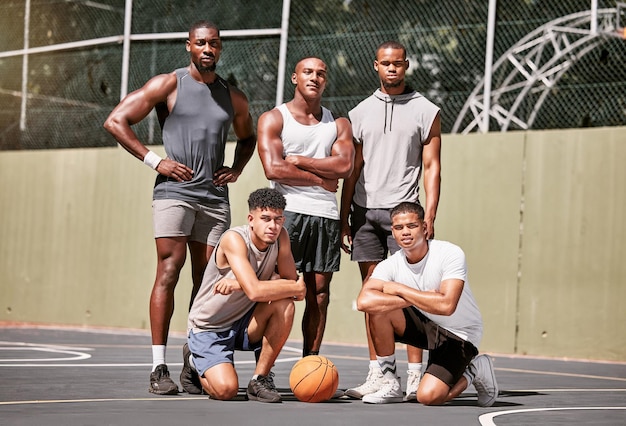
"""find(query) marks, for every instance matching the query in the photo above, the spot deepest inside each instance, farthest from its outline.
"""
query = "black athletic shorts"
(315, 242)
(448, 354)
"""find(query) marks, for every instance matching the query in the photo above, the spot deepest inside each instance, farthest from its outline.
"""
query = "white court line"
(69, 401)
(74, 355)
(552, 373)
(77, 356)
(487, 419)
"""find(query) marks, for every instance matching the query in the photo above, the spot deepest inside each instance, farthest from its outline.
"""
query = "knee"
(323, 299)
(168, 273)
(430, 397)
(222, 390)
(285, 308)
(222, 393)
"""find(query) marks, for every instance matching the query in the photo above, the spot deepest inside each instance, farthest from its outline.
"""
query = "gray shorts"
(371, 234)
(210, 348)
(199, 222)
(315, 242)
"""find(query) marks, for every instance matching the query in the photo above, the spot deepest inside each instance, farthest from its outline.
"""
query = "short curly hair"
(266, 198)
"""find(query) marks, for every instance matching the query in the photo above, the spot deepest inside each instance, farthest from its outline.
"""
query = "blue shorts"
(210, 348)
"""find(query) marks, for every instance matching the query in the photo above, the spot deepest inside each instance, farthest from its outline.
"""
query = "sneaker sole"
(353, 394)
(410, 397)
(393, 400)
(163, 392)
(256, 398)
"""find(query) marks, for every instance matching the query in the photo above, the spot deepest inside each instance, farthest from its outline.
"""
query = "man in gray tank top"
(196, 108)
(245, 302)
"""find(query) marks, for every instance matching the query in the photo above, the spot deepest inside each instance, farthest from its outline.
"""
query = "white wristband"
(152, 159)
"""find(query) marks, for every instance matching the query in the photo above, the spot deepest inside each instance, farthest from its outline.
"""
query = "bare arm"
(134, 108)
(246, 139)
(341, 161)
(271, 153)
(347, 193)
(234, 252)
(431, 158)
(379, 296)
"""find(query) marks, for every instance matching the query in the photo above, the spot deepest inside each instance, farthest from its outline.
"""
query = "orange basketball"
(314, 379)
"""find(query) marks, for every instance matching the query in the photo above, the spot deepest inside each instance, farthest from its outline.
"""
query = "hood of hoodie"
(391, 100)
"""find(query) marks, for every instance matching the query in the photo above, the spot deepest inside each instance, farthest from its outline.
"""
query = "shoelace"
(269, 381)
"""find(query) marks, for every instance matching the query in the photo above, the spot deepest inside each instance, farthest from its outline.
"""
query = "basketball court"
(64, 376)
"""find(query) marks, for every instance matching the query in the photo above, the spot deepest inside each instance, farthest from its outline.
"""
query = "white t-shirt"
(443, 261)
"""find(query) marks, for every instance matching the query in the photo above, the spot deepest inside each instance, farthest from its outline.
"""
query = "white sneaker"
(484, 380)
(373, 383)
(412, 383)
(390, 392)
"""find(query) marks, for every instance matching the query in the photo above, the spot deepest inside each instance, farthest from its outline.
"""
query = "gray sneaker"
(373, 383)
(484, 381)
(263, 389)
(160, 382)
(390, 392)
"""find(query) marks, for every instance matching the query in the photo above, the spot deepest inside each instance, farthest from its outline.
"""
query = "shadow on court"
(60, 376)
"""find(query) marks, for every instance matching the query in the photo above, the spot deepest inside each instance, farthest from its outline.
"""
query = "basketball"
(314, 378)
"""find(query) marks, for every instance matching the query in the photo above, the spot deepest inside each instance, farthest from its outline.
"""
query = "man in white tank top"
(305, 150)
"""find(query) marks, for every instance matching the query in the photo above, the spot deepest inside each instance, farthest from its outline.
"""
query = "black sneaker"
(263, 389)
(189, 379)
(160, 382)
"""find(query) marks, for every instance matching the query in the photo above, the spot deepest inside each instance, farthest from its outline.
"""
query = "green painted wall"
(539, 215)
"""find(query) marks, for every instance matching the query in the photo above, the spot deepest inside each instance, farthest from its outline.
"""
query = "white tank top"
(314, 141)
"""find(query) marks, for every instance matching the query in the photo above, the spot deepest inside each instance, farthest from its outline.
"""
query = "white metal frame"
(534, 65)
(128, 37)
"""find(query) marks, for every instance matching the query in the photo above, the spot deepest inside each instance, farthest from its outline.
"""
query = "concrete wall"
(539, 214)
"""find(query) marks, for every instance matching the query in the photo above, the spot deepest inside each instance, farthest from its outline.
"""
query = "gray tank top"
(217, 312)
(195, 134)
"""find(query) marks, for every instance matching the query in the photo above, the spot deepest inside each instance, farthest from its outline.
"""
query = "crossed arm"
(299, 170)
(378, 296)
(233, 252)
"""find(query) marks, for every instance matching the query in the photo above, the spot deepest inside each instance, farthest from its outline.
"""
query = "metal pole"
(282, 55)
(25, 66)
(128, 18)
(594, 17)
(491, 26)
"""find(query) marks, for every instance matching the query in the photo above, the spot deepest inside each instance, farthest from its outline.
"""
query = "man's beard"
(210, 68)
(392, 84)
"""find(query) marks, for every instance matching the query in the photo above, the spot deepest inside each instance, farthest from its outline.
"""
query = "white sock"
(388, 366)
(374, 364)
(415, 366)
(158, 356)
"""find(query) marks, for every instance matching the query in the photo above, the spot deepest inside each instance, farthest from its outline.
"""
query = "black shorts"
(448, 354)
(315, 242)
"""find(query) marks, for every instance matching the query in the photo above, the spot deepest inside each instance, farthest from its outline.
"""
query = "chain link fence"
(70, 92)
